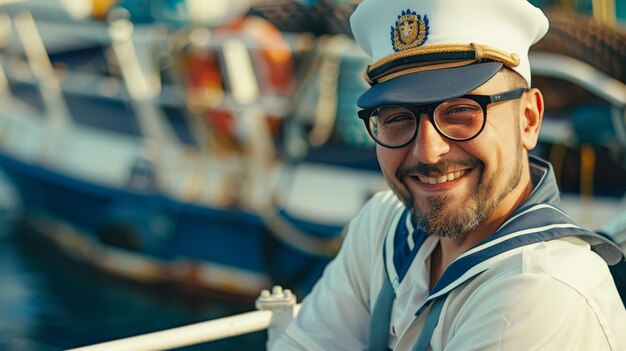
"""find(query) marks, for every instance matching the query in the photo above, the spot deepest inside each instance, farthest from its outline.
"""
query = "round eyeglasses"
(458, 119)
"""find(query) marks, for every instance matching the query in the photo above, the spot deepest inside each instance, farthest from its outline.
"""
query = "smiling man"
(468, 250)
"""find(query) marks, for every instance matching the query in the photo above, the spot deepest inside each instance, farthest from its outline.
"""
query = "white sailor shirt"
(554, 294)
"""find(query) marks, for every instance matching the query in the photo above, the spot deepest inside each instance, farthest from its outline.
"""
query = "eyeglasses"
(458, 119)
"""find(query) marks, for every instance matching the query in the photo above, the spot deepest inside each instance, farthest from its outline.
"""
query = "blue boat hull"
(160, 229)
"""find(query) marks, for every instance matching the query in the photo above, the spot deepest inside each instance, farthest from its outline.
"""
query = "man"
(468, 251)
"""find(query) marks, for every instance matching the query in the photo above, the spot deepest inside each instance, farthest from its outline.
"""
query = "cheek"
(490, 148)
(497, 149)
(389, 160)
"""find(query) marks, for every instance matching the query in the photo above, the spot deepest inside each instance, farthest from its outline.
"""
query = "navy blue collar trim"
(403, 253)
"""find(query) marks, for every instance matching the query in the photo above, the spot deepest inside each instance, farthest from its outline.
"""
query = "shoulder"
(566, 264)
(381, 207)
(568, 261)
(384, 200)
(335, 315)
(552, 289)
(367, 230)
(377, 215)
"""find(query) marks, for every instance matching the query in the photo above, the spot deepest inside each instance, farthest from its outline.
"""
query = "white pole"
(143, 87)
(276, 309)
(41, 66)
(189, 335)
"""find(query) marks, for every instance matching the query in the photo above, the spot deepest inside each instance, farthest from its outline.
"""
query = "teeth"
(444, 178)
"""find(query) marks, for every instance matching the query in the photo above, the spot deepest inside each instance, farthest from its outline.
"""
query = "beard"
(438, 218)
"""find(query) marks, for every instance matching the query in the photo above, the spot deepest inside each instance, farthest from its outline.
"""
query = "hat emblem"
(410, 31)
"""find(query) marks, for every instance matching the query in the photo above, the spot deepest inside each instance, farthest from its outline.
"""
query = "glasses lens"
(459, 118)
(392, 125)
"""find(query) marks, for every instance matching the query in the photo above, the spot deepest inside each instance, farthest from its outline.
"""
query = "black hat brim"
(429, 86)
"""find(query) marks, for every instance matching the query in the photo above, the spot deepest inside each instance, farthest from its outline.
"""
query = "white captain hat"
(430, 50)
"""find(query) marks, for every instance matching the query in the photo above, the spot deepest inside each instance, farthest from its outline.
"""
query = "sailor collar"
(537, 219)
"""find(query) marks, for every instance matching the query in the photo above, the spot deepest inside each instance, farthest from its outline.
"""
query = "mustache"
(441, 167)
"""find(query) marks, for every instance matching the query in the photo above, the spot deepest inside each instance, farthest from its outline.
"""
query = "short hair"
(514, 78)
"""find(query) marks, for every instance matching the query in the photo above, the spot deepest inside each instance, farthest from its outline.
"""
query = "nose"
(429, 146)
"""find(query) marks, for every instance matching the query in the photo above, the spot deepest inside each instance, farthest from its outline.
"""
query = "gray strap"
(429, 324)
(380, 320)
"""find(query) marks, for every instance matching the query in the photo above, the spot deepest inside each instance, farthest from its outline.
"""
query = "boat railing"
(275, 310)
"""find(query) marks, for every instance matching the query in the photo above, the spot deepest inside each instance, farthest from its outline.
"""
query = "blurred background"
(162, 161)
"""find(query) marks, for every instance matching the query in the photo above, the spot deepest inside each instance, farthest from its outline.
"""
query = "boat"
(156, 152)
(223, 153)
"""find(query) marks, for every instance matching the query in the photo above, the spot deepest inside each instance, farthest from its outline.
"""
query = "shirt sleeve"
(335, 314)
(528, 312)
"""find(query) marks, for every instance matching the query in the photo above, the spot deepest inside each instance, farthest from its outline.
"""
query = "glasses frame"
(417, 110)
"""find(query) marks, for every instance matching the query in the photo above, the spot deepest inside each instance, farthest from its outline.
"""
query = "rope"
(480, 52)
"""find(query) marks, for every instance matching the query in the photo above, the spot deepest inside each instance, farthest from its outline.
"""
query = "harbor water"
(50, 302)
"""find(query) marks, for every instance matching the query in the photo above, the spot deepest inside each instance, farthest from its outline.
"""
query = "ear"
(531, 108)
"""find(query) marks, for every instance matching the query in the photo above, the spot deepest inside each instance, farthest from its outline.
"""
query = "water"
(51, 302)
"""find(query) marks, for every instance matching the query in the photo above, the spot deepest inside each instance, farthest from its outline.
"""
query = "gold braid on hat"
(439, 56)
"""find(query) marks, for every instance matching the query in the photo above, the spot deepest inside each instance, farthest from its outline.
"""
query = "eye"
(397, 118)
(393, 115)
(462, 110)
(458, 111)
